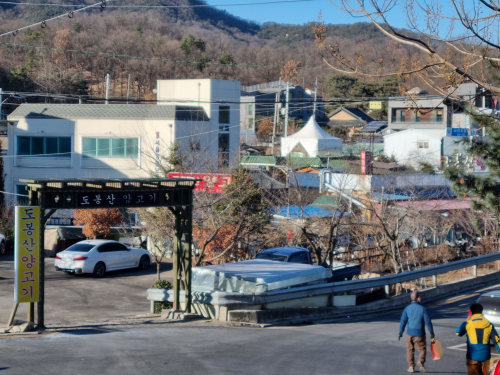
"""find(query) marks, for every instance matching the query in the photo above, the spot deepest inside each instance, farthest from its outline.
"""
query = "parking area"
(70, 298)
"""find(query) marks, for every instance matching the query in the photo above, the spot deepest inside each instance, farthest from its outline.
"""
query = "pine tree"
(486, 150)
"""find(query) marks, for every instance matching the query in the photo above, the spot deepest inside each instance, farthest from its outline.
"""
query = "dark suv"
(292, 254)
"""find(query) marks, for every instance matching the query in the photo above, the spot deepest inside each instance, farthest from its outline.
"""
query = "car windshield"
(271, 256)
(489, 303)
(81, 247)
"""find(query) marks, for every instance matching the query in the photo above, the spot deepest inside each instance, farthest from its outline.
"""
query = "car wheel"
(2, 248)
(144, 262)
(99, 269)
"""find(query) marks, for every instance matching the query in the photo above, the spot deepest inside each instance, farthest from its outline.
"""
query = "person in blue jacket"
(416, 316)
(479, 332)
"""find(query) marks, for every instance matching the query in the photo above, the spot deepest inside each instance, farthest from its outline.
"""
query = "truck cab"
(291, 254)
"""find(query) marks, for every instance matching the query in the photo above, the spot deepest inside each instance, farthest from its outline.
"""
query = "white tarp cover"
(254, 276)
(313, 139)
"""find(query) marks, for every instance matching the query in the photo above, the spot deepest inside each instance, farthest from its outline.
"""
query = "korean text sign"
(27, 254)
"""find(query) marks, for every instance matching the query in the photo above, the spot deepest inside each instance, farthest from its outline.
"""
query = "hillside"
(72, 55)
(292, 34)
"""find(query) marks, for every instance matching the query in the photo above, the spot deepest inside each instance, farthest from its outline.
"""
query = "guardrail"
(220, 298)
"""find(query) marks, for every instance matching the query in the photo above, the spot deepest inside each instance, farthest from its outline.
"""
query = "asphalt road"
(82, 297)
(358, 346)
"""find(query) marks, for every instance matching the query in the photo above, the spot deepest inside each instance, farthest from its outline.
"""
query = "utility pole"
(315, 96)
(108, 84)
(286, 110)
(1, 102)
(276, 115)
(128, 88)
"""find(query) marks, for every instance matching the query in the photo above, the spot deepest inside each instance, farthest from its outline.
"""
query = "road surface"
(357, 346)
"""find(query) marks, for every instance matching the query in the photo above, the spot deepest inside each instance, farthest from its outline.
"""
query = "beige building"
(122, 140)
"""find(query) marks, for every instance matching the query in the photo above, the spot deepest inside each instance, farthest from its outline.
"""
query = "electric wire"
(43, 23)
(165, 6)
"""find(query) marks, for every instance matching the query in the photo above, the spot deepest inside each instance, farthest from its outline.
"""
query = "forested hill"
(72, 55)
(199, 11)
(285, 34)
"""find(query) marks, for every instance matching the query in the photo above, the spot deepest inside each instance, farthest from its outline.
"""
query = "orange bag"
(436, 350)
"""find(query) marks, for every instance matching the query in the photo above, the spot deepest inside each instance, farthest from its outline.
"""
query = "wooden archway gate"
(174, 193)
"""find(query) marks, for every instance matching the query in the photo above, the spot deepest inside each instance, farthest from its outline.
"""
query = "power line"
(165, 6)
(43, 24)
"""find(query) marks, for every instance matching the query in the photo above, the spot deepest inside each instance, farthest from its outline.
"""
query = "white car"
(99, 256)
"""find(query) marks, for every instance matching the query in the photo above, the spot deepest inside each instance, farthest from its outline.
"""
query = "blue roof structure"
(295, 212)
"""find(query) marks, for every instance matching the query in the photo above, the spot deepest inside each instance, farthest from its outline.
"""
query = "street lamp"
(8, 97)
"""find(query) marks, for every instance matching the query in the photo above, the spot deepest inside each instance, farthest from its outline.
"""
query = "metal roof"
(374, 126)
(73, 111)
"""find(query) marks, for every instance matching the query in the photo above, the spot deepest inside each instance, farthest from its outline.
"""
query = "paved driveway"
(83, 297)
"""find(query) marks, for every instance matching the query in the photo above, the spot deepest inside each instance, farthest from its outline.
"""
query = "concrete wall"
(310, 313)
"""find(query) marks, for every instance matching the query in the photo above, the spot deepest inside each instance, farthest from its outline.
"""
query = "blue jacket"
(479, 333)
(415, 315)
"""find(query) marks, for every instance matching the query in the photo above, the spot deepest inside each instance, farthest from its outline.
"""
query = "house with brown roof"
(350, 117)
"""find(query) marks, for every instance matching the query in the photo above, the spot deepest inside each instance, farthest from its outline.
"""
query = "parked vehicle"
(3, 244)
(100, 256)
(292, 254)
(491, 305)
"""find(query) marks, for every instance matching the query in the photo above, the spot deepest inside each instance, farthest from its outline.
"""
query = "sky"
(297, 13)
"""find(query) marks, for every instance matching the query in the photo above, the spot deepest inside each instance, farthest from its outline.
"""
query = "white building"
(434, 146)
(120, 140)
(220, 99)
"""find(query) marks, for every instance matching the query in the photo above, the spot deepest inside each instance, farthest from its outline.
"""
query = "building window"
(417, 116)
(423, 115)
(250, 109)
(44, 146)
(423, 144)
(22, 190)
(110, 147)
(439, 115)
(223, 149)
(224, 118)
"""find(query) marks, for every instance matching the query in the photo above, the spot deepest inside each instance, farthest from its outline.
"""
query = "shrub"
(160, 305)
(162, 284)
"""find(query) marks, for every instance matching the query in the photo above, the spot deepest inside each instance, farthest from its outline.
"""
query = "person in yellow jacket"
(479, 332)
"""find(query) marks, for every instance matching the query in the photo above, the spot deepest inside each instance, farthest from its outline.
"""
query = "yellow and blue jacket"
(479, 333)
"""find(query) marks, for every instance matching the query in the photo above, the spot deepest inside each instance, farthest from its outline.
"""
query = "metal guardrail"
(230, 298)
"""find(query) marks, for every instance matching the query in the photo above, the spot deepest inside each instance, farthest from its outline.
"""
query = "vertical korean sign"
(27, 254)
(365, 162)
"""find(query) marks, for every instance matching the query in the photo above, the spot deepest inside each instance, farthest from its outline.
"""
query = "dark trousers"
(478, 368)
(411, 343)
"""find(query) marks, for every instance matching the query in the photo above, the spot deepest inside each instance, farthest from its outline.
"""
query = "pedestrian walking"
(479, 332)
(416, 316)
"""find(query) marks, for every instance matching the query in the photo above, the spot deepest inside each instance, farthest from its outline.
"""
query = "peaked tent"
(314, 140)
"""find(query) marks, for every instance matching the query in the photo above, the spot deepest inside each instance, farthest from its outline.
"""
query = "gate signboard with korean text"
(27, 254)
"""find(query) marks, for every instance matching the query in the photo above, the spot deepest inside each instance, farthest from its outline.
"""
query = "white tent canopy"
(313, 140)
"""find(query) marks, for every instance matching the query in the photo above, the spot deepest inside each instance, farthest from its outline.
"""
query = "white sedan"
(99, 256)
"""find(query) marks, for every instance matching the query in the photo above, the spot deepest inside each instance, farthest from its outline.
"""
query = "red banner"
(211, 182)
